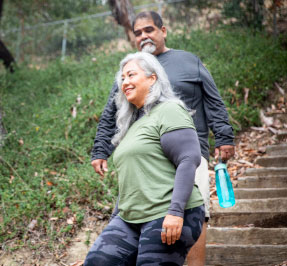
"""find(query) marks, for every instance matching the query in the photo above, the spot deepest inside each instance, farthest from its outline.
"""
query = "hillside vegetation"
(51, 115)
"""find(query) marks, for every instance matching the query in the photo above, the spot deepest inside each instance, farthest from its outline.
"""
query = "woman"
(159, 211)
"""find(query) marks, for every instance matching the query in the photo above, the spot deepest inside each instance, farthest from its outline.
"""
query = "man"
(194, 84)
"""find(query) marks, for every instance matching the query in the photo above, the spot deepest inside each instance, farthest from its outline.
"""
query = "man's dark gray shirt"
(194, 85)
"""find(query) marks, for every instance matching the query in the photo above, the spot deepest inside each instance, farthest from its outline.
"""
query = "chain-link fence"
(71, 36)
(82, 35)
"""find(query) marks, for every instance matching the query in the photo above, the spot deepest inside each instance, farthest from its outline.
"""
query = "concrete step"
(257, 205)
(277, 149)
(246, 235)
(265, 213)
(258, 219)
(259, 193)
(245, 255)
(262, 182)
(282, 135)
(266, 171)
(272, 161)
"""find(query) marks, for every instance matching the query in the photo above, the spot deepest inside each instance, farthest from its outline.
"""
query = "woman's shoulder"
(171, 116)
(171, 111)
(170, 107)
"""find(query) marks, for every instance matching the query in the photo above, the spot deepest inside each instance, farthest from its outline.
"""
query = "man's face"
(149, 38)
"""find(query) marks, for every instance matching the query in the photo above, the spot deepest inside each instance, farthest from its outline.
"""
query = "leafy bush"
(241, 63)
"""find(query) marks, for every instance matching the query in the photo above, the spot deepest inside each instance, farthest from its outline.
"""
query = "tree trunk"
(6, 57)
(124, 14)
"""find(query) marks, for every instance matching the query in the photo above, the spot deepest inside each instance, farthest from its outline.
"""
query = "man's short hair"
(156, 18)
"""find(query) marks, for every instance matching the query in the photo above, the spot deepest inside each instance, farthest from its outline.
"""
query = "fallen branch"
(279, 88)
(14, 170)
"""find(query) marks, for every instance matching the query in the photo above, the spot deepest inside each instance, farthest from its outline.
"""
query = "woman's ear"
(153, 78)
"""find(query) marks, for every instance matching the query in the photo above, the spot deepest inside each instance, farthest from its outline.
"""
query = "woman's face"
(135, 85)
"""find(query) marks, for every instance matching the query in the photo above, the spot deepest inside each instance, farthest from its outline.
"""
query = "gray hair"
(160, 91)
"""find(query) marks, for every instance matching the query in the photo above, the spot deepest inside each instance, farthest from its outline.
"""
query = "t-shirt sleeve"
(172, 116)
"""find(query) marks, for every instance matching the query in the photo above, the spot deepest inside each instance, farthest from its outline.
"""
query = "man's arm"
(216, 115)
(105, 131)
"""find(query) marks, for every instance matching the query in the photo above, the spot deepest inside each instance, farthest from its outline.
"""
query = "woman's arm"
(182, 148)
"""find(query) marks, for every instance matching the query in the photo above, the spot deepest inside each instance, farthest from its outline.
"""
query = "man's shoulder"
(183, 53)
(174, 55)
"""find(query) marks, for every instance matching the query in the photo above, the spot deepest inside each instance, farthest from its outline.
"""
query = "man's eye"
(149, 29)
(137, 33)
(132, 74)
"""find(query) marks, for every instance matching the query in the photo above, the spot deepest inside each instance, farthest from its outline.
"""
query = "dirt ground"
(73, 256)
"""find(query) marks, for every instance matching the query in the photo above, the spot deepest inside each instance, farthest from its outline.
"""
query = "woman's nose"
(125, 81)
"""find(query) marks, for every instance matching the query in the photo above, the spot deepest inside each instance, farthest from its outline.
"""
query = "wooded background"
(38, 31)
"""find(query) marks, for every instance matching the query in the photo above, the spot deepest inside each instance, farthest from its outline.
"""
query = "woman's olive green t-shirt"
(146, 176)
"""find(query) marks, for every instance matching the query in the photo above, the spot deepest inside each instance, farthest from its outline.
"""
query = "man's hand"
(100, 166)
(225, 152)
(173, 226)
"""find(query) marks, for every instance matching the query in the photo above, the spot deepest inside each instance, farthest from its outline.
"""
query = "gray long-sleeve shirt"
(195, 86)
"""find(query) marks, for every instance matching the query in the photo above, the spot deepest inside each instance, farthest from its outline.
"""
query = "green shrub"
(238, 60)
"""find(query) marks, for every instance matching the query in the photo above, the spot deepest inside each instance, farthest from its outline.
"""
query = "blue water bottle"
(223, 186)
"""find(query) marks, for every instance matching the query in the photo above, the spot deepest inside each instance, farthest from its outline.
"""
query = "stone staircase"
(254, 231)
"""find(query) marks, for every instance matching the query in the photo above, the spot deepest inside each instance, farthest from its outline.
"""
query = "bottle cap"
(220, 166)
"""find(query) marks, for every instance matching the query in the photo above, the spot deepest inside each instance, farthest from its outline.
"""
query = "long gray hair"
(160, 91)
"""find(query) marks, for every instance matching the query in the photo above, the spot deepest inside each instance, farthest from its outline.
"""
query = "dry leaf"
(246, 93)
(32, 224)
(273, 130)
(279, 88)
(71, 220)
(96, 118)
(77, 263)
(79, 99)
(74, 111)
(11, 179)
(53, 173)
(268, 121)
(245, 162)
(66, 209)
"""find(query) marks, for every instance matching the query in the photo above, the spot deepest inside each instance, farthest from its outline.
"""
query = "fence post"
(64, 41)
(19, 37)
(159, 6)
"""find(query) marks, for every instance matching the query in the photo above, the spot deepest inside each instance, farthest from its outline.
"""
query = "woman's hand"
(173, 226)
